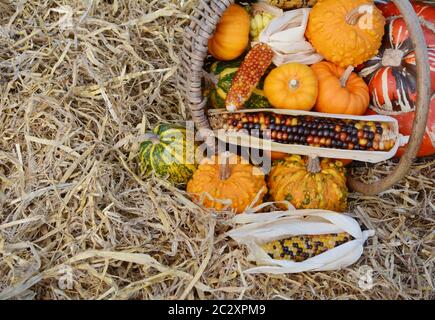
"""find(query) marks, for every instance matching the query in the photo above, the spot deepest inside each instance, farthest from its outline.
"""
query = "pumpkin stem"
(152, 137)
(224, 166)
(346, 75)
(313, 165)
(293, 84)
(354, 15)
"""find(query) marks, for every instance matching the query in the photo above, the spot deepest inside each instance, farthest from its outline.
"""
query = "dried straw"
(79, 82)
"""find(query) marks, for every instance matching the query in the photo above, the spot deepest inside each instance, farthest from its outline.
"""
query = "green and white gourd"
(168, 153)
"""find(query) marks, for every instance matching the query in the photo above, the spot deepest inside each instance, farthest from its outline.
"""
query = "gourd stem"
(392, 57)
(210, 78)
(354, 15)
(313, 165)
(224, 166)
(346, 75)
(152, 137)
(293, 84)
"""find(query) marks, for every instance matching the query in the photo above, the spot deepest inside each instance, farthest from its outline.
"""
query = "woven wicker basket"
(203, 23)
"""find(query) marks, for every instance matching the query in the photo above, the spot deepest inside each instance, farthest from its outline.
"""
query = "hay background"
(79, 81)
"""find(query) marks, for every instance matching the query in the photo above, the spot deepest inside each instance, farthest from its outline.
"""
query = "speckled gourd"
(309, 183)
(345, 32)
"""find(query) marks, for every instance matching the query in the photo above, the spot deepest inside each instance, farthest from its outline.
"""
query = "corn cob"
(262, 14)
(255, 64)
(301, 248)
(292, 4)
(258, 23)
(309, 130)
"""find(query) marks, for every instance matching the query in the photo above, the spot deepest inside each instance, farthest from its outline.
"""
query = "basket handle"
(422, 107)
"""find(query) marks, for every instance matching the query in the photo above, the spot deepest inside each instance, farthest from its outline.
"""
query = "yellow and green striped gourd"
(168, 153)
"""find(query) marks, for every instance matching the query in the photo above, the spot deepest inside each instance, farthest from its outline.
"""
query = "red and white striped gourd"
(392, 73)
(393, 89)
(406, 120)
(422, 8)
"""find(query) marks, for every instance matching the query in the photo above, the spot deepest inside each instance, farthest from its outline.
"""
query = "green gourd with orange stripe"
(169, 153)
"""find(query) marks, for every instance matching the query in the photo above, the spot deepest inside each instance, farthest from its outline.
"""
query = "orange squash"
(346, 32)
(340, 91)
(225, 181)
(291, 86)
(231, 37)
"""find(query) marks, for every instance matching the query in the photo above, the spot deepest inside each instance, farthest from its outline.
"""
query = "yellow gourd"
(308, 183)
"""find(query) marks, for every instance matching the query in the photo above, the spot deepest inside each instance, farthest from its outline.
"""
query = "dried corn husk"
(262, 14)
(260, 228)
(286, 36)
(245, 140)
(263, 7)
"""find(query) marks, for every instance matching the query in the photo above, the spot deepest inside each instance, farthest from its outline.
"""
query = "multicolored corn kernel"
(301, 248)
(310, 131)
(248, 76)
(292, 4)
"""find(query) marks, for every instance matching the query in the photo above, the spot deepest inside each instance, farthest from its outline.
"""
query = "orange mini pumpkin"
(340, 91)
(226, 181)
(291, 86)
(232, 34)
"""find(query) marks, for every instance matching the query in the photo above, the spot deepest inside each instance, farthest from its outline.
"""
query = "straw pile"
(79, 82)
